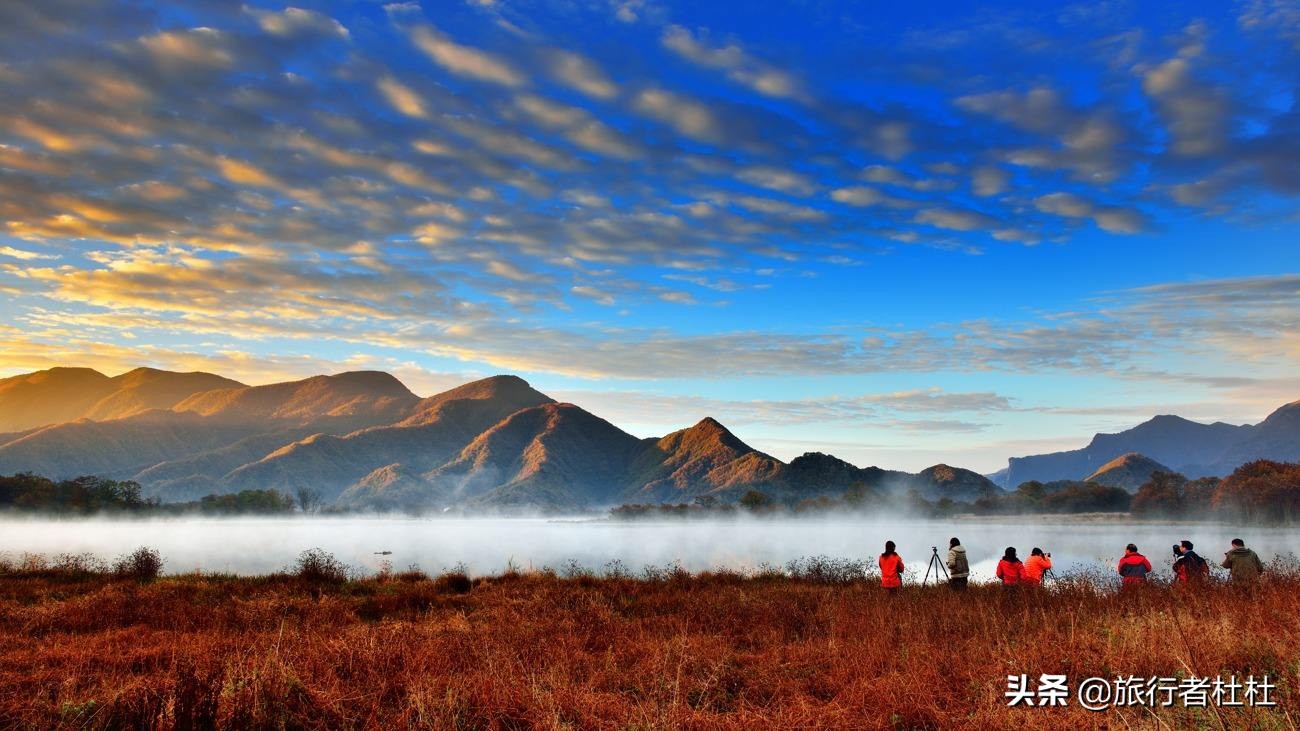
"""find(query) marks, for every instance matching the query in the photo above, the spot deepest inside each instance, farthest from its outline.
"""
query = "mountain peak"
(1130, 471)
(66, 374)
(506, 393)
(945, 481)
(362, 396)
(1122, 460)
(140, 371)
(709, 424)
(51, 396)
(379, 381)
(707, 433)
(942, 473)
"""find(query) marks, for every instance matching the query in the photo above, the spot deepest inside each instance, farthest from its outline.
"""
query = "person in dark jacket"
(1189, 567)
(958, 566)
(1134, 567)
(1010, 570)
(1243, 564)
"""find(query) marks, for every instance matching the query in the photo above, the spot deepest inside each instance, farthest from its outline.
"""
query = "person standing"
(1243, 564)
(1189, 567)
(958, 566)
(1036, 565)
(1010, 569)
(891, 569)
(1134, 567)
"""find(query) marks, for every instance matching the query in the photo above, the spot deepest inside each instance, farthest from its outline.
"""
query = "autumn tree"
(1262, 490)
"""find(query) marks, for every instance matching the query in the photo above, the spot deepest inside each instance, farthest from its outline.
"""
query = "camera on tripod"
(936, 566)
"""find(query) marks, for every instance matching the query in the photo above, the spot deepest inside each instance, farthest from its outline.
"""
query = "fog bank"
(490, 545)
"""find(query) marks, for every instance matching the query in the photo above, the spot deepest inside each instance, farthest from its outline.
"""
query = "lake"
(489, 545)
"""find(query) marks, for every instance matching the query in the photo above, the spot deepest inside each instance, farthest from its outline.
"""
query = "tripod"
(936, 566)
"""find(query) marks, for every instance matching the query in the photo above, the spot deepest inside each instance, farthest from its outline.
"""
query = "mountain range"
(362, 440)
(1189, 447)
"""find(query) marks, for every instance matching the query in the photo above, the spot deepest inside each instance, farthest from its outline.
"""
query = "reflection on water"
(259, 545)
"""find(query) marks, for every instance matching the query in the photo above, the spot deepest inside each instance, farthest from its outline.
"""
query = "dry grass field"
(87, 648)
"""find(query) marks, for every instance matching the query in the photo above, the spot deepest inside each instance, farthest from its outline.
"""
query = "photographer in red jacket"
(1010, 569)
(1134, 567)
(891, 569)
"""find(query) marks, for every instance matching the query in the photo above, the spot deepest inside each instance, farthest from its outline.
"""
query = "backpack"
(959, 563)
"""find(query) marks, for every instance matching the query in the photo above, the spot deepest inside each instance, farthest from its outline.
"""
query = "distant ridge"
(363, 440)
(434, 430)
(59, 395)
(199, 422)
(367, 395)
(1188, 447)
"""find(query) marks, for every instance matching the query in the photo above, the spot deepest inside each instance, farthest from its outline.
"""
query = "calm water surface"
(489, 545)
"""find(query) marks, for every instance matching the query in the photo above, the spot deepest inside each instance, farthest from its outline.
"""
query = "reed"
(813, 644)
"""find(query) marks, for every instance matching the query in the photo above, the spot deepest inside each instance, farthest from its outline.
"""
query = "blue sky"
(910, 234)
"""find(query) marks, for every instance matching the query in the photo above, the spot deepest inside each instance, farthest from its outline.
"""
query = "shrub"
(74, 565)
(412, 574)
(756, 501)
(319, 566)
(453, 582)
(827, 570)
(143, 565)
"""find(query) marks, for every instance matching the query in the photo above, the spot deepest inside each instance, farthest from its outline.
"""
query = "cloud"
(688, 116)
(257, 292)
(1085, 141)
(245, 173)
(886, 175)
(512, 271)
(23, 254)
(884, 409)
(863, 196)
(578, 127)
(593, 293)
(292, 22)
(955, 219)
(739, 66)
(1272, 16)
(198, 47)
(1114, 219)
(785, 181)
(1196, 114)
(1017, 234)
(988, 181)
(773, 206)
(402, 97)
(464, 60)
(631, 11)
(581, 73)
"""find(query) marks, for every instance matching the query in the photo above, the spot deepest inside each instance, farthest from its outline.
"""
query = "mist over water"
(490, 545)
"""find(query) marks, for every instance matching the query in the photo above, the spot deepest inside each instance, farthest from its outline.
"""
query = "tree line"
(91, 495)
(1259, 492)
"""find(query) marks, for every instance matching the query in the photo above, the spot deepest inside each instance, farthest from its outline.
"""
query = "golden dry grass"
(85, 650)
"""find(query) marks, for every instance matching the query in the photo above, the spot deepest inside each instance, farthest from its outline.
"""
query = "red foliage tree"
(1261, 490)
